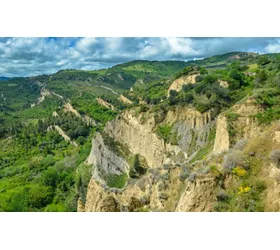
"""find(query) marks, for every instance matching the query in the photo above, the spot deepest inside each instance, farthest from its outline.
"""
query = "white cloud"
(32, 56)
(274, 47)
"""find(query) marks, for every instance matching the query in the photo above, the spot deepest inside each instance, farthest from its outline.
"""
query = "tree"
(261, 77)
(136, 169)
(50, 177)
(263, 60)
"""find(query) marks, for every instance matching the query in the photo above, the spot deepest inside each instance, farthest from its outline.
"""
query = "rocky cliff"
(178, 84)
(158, 189)
(192, 172)
(222, 137)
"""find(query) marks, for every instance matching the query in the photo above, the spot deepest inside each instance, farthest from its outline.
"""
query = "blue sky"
(35, 56)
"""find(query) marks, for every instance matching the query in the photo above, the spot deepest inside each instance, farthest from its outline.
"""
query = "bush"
(165, 133)
(184, 175)
(192, 177)
(233, 158)
(39, 196)
(222, 196)
(137, 170)
(275, 157)
(261, 77)
(50, 177)
(240, 145)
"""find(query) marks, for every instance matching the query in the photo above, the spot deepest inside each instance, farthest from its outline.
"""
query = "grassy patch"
(165, 132)
(116, 181)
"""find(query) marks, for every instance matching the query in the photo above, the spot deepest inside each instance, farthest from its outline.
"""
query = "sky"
(36, 56)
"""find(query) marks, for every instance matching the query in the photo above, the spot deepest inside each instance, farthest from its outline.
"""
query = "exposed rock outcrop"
(63, 134)
(178, 84)
(125, 100)
(69, 108)
(105, 160)
(151, 192)
(100, 201)
(88, 120)
(105, 104)
(222, 136)
(199, 195)
(223, 83)
(157, 190)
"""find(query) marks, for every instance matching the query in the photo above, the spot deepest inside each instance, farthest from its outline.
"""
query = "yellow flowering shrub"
(239, 171)
(242, 189)
(215, 171)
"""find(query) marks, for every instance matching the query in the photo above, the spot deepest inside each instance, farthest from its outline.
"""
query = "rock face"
(99, 201)
(43, 94)
(158, 189)
(138, 133)
(105, 104)
(63, 134)
(178, 84)
(176, 179)
(81, 206)
(223, 84)
(138, 137)
(246, 125)
(222, 137)
(69, 108)
(193, 128)
(150, 191)
(88, 120)
(199, 195)
(105, 160)
(125, 100)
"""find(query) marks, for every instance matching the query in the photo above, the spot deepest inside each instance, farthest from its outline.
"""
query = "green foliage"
(115, 146)
(116, 181)
(82, 180)
(231, 117)
(136, 169)
(260, 79)
(270, 101)
(165, 132)
(245, 193)
(263, 60)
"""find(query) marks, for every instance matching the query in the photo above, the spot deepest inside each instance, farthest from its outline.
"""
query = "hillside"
(144, 136)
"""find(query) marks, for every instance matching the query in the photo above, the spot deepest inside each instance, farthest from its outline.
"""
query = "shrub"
(136, 169)
(233, 158)
(222, 196)
(164, 131)
(165, 176)
(239, 171)
(244, 189)
(184, 175)
(240, 145)
(39, 196)
(50, 177)
(143, 108)
(192, 177)
(261, 77)
(275, 157)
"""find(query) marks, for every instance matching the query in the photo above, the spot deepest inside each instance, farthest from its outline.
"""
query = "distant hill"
(3, 78)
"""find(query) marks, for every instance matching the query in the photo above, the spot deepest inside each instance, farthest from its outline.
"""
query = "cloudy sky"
(35, 56)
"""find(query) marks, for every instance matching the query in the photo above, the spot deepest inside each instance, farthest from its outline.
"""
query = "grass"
(116, 181)
(253, 67)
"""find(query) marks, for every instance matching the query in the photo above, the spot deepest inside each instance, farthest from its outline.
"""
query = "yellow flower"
(244, 189)
(239, 171)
